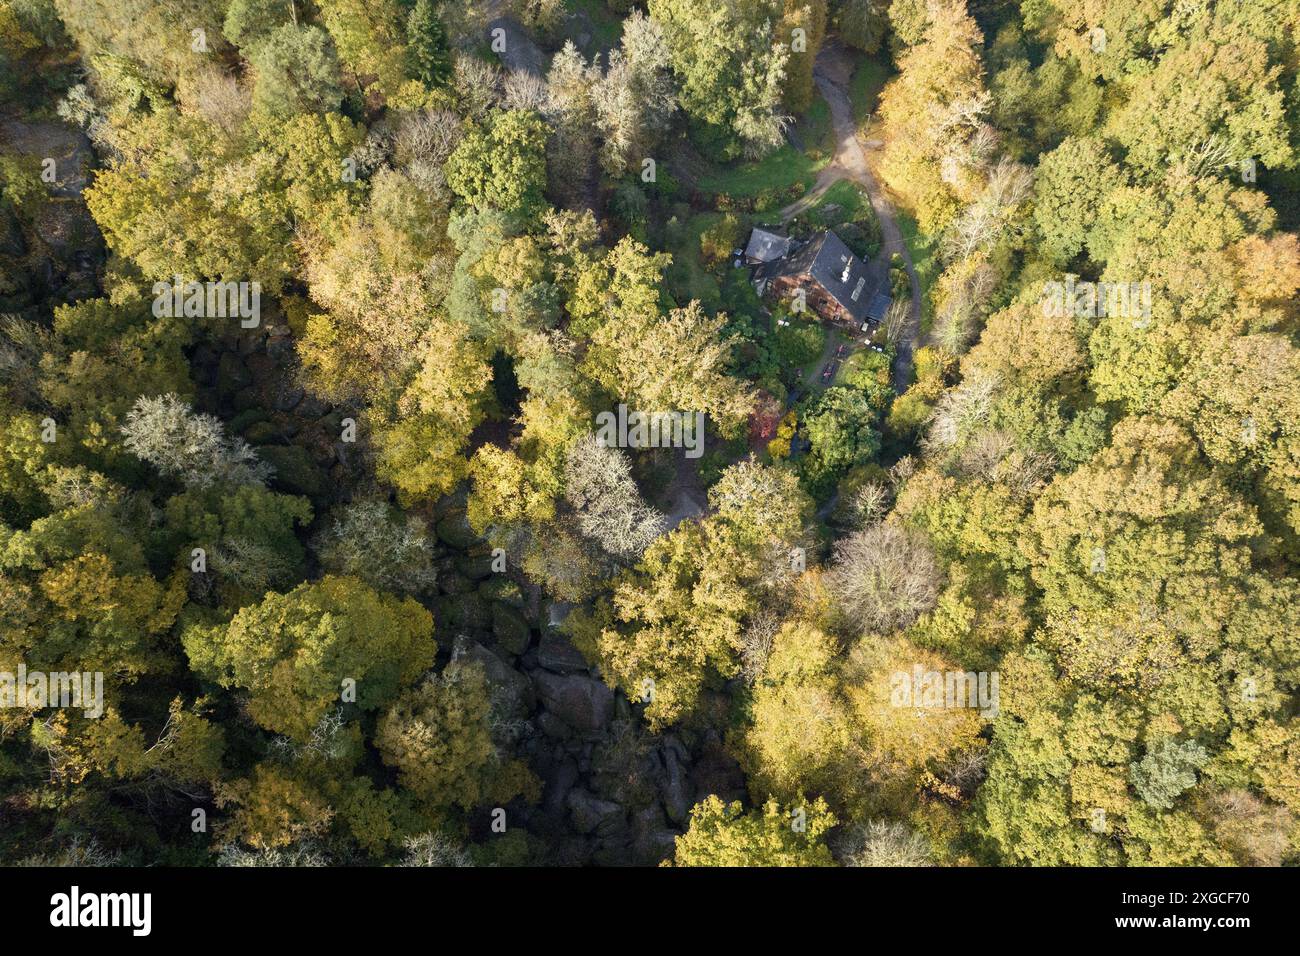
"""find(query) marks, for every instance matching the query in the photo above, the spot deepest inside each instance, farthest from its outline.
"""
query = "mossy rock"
(17, 300)
(450, 503)
(454, 531)
(241, 422)
(295, 472)
(232, 374)
(12, 242)
(454, 583)
(474, 567)
(262, 433)
(67, 229)
(463, 613)
(247, 399)
(501, 588)
(510, 629)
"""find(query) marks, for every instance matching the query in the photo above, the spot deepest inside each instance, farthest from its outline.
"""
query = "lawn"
(815, 130)
(778, 170)
(864, 89)
(687, 276)
(926, 261)
(846, 208)
(606, 25)
(845, 201)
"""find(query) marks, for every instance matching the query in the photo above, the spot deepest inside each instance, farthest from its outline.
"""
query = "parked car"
(842, 350)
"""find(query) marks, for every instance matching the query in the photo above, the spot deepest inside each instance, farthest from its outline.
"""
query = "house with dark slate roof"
(765, 246)
(878, 306)
(834, 281)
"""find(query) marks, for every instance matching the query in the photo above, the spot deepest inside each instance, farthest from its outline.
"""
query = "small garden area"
(846, 209)
(690, 276)
(766, 185)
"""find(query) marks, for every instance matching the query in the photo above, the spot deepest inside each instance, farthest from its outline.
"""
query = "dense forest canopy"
(309, 314)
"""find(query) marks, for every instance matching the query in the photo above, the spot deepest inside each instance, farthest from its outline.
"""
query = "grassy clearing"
(846, 208)
(925, 259)
(777, 171)
(606, 25)
(845, 201)
(868, 80)
(815, 129)
(687, 276)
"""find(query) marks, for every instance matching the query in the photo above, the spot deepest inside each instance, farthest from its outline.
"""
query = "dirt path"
(850, 162)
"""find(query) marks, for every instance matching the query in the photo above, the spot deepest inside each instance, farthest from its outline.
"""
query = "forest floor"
(686, 492)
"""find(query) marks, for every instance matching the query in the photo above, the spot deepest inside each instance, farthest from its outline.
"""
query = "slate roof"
(765, 246)
(827, 259)
(878, 306)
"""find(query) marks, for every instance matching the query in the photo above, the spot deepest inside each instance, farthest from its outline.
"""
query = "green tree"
(427, 45)
(369, 36)
(809, 18)
(250, 21)
(297, 71)
(298, 654)
(503, 165)
(861, 23)
(935, 114)
(840, 425)
(1071, 184)
(1167, 770)
(730, 67)
(725, 835)
(676, 620)
(439, 737)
